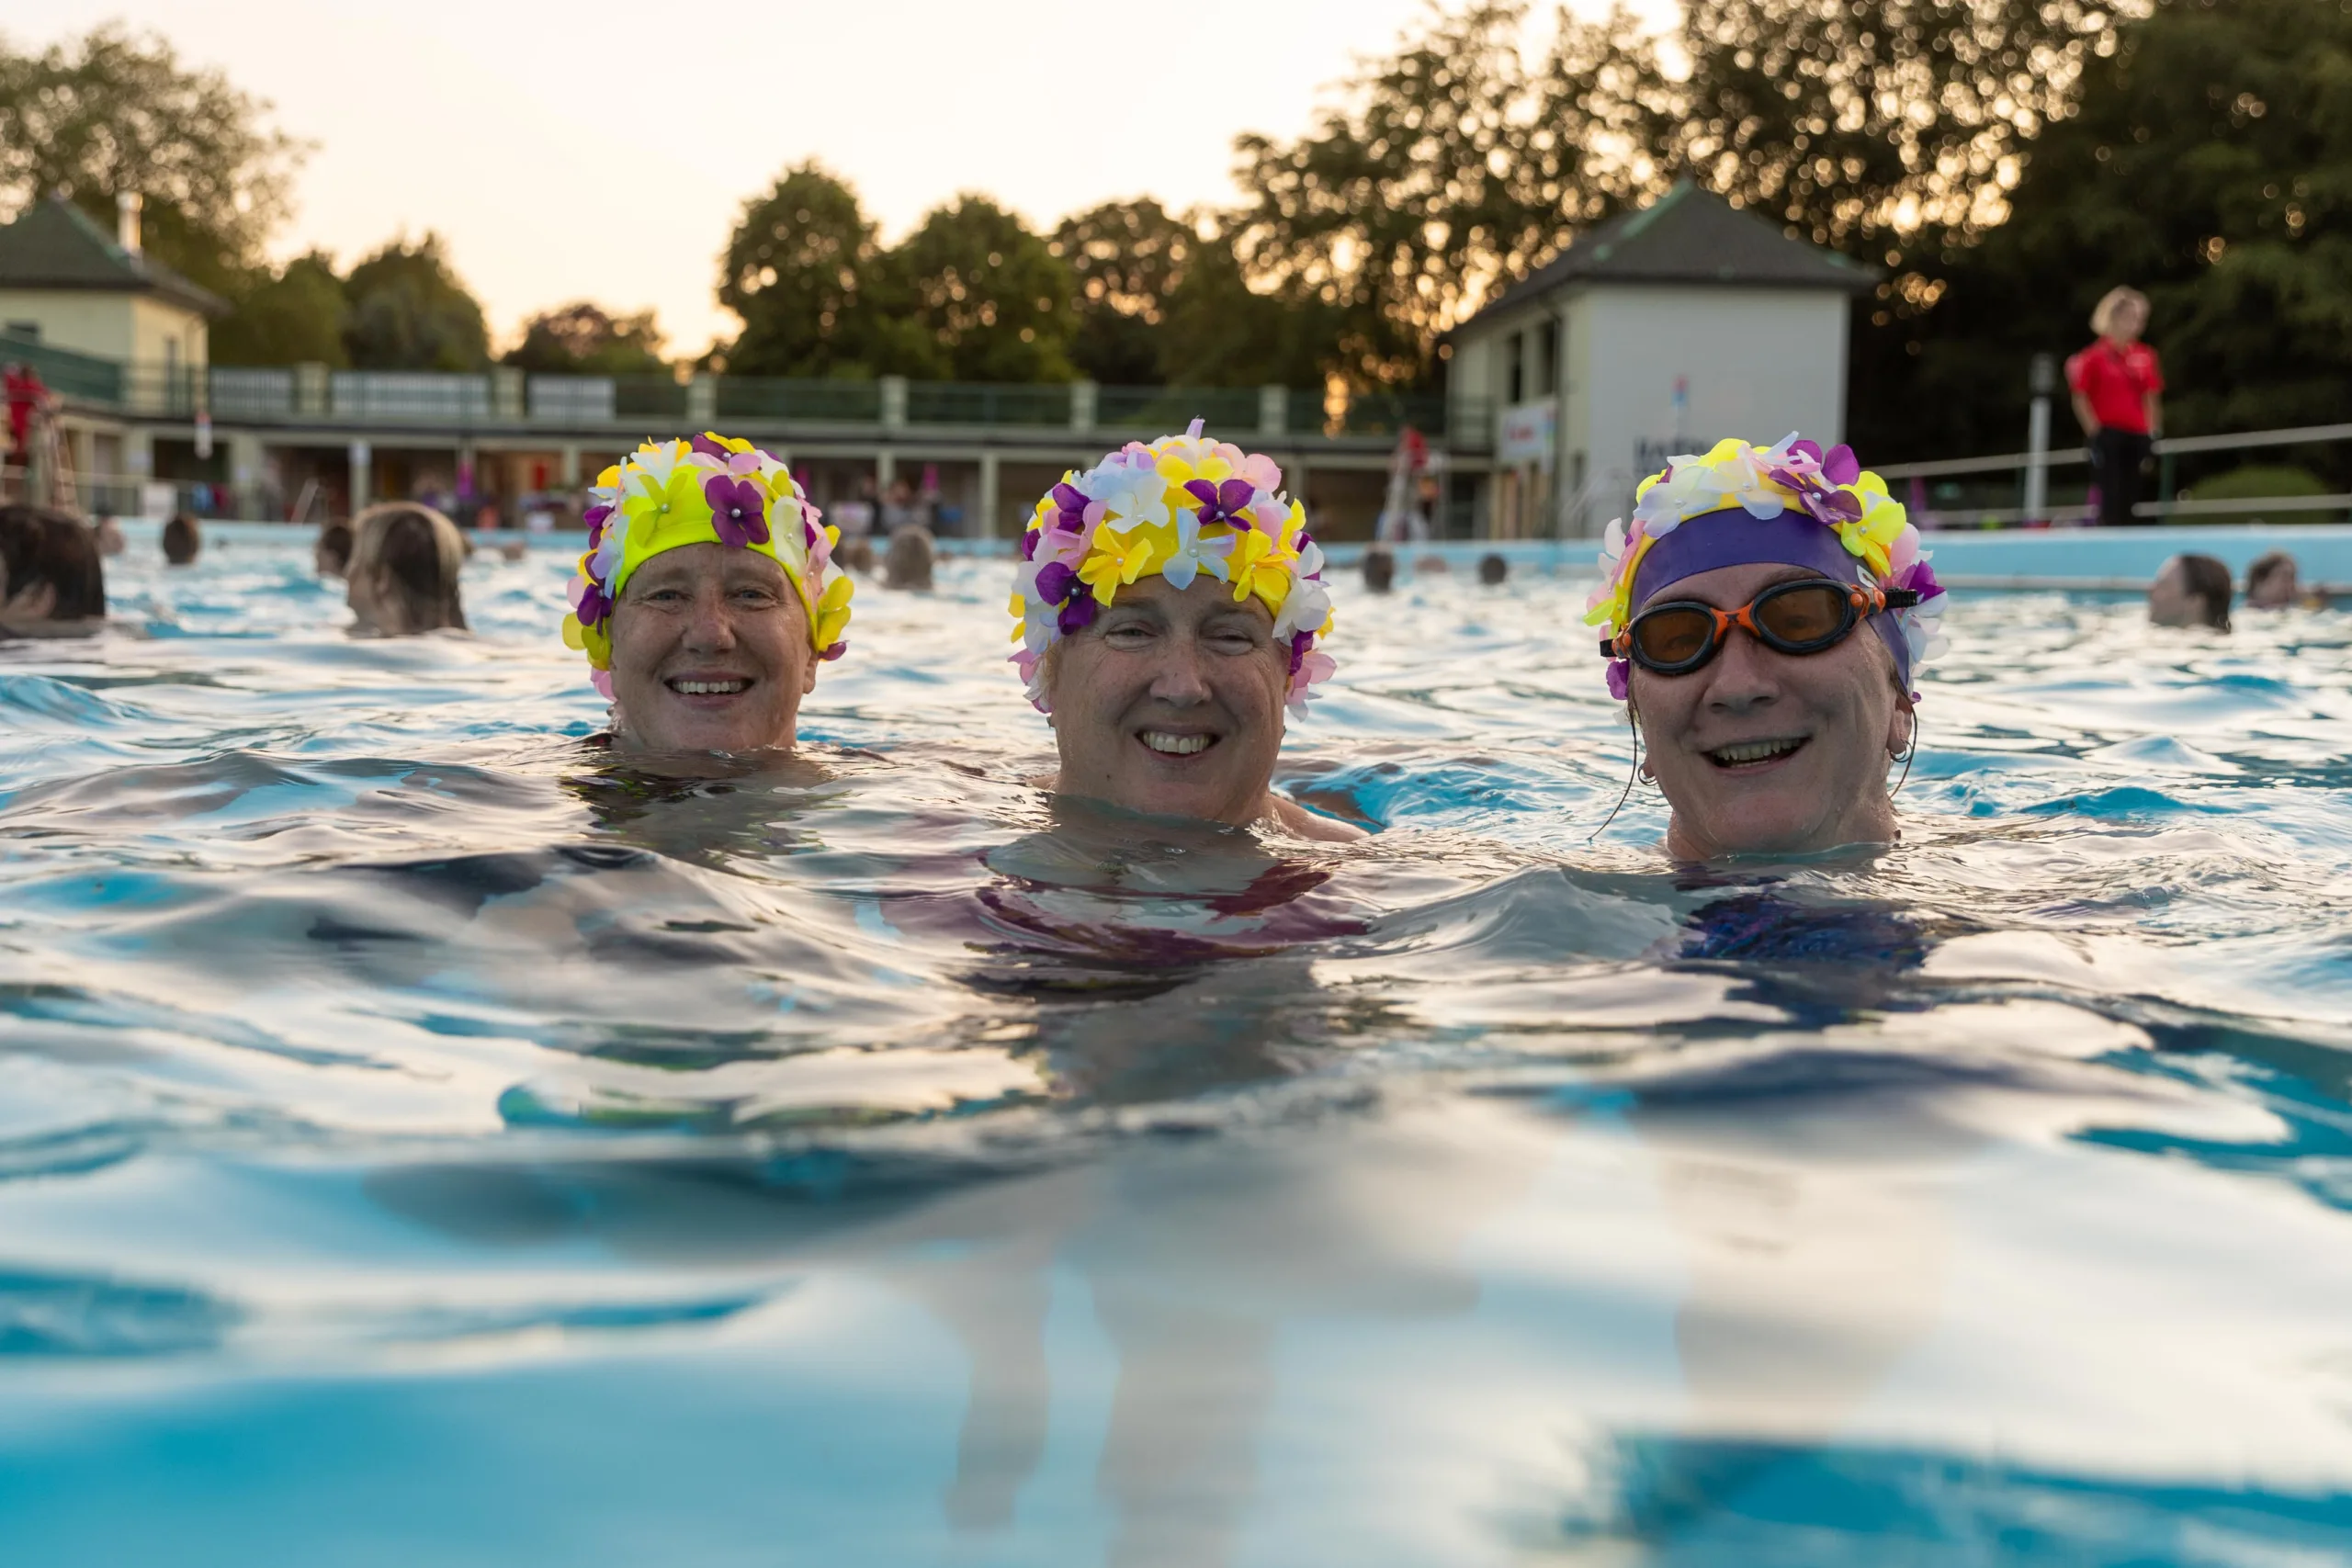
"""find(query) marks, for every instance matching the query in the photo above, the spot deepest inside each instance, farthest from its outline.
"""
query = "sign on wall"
(1524, 434)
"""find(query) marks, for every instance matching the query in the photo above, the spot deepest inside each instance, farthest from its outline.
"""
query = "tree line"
(1999, 163)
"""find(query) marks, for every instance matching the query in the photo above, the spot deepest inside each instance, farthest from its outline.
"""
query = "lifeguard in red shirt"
(2118, 388)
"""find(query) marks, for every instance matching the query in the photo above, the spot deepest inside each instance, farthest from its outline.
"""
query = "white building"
(66, 283)
(1661, 330)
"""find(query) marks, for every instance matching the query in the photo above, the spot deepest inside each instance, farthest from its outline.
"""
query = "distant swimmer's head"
(183, 540)
(402, 574)
(2194, 591)
(708, 597)
(1170, 602)
(52, 582)
(2272, 581)
(332, 554)
(1728, 607)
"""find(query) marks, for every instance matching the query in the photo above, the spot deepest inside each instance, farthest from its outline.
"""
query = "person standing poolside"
(1728, 609)
(1171, 601)
(2119, 390)
(708, 597)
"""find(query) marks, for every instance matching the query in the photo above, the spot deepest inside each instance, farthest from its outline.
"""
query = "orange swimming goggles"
(1810, 614)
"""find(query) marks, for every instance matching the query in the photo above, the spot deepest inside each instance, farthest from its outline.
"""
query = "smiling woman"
(708, 597)
(1730, 607)
(1171, 601)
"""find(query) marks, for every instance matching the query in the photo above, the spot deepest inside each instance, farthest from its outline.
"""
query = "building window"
(29, 331)
(1518, 367)
(1547, 359)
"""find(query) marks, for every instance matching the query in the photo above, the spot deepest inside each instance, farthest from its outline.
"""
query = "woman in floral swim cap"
(706, 599)
(1170, 602)
(1728, 609)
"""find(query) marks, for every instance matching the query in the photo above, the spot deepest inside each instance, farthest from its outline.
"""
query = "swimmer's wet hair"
(39, 546)
(2208, 579)
(183, 540)
(418, 553)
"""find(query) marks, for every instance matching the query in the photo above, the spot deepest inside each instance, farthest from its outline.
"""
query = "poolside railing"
(508, 398)
(1939, 488)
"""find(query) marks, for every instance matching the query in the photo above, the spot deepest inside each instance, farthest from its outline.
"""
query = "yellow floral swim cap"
(1182, 507)
(712, 489)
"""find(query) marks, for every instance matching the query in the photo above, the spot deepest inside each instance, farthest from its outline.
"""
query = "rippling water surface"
(421, 1140)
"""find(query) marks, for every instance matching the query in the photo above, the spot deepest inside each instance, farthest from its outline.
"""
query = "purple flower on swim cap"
(1920, 578)
(1221, 502)
(1299, 644)
(1054, 582)
(1078, 614)
(1833, 506)
(1029, 545)
(737, 509)
(1070, 507)
(710, 448)
(1619, 675)
(595, 517)
(593, 605)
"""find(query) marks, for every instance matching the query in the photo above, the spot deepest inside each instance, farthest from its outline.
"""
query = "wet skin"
(1762, 752)
(1170, 703)
(710, 653)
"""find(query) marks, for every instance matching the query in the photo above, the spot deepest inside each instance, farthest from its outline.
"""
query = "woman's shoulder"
(1299, 822)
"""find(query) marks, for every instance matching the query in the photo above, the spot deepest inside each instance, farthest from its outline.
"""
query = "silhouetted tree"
(584, 339)
(409, 311)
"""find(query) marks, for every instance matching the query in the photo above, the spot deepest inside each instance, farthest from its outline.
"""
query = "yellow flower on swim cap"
(712, 489)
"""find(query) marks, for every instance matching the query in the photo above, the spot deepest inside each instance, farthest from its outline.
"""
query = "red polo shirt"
(2117, 381)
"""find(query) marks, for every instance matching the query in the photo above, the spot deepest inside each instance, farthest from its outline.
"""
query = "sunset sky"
(601, 150)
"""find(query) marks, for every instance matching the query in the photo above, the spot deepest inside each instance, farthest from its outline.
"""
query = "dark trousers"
(2117, 457)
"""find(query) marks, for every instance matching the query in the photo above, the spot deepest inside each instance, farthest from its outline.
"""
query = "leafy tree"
(295, 314)
(1222, 332)
(1126, 259)
(799, 272)
(584, 339)
(112, 112)
(409, 311)
(1852, 120)
(2207, 162)
(990, 297)
(1446, 170)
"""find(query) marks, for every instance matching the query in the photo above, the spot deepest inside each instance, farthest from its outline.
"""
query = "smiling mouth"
(1171, 745)
(708, 688)
(1755, 753)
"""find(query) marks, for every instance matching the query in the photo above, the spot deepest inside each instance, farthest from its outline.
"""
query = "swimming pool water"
(423, 1141)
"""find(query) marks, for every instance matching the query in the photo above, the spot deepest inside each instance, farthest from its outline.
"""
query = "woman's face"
(1171, 703)
(1762, 752)
(2127, 321)
(710, 653)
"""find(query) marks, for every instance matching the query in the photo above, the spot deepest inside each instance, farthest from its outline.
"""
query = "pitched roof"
(53, 244)
(1692, 236)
